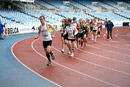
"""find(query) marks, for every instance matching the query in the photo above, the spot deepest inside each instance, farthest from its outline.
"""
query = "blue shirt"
(1, 27)
(109, 25)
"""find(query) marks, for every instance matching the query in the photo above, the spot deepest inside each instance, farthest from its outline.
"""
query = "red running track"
(100, 64)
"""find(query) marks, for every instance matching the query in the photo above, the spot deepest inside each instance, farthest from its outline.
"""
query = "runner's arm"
(39, 31)
(65, 32)
(54, 30)
(76, 31)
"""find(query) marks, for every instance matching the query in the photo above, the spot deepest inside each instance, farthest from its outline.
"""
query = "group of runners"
(73, 34)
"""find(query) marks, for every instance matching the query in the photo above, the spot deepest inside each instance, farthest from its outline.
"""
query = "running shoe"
(62, 51)
(73, 49)
(49, 63)
(69, 52)
(92, 39)
(98, 35)
(53, 57)
(72, 55)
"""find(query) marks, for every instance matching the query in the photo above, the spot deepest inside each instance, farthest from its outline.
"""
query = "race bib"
(80, 30)
(45, 34)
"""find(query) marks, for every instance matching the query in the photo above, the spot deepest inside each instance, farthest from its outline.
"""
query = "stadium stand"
(27, 14)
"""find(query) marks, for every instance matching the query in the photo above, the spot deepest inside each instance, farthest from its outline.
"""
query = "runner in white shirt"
(72, 31)
(95, 28)
(75, 24)
(46, 37)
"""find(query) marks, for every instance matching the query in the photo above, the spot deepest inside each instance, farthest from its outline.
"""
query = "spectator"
(1, 30)
(109, 26)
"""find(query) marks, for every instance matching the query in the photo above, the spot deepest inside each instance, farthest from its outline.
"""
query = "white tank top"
(74, 24)
(71, 31)
(95, 26)
(46, 36)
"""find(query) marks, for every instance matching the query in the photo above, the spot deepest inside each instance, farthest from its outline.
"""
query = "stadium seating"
(45, 4)
(112, 16)
(30, 15)
(88, 3)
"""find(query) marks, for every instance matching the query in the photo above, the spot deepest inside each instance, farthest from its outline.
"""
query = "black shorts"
(81, 35)
(77, 35)
(94, 30)
(62, 35)
(72, 40)
(91, 29)
(66, 37)
(85, 32)
(47, 43)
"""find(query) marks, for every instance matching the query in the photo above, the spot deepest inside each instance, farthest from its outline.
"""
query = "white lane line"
(113, 46)
(117, 36)
(95, 64)
(73, 69)
(128, 34)
(28, 67)
(108, 50)
(105, 57)
(120, 42)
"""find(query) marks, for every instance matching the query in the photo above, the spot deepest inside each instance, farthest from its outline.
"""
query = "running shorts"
(47, 43)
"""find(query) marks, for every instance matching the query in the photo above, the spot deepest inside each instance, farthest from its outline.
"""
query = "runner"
(95, 28)
(99, 28)
(91, 29)
(66, 36)
(84, 32)
(88, 28)
(105, 25)
(62, 36)
(46, 37)
(72, 31)
(75, 24)
(81, 32)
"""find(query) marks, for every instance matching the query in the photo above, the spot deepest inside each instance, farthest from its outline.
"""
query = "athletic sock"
(49, 60)
(48, 56)
(95, 38)
(92, 36)
(52, 54)
(81, 44)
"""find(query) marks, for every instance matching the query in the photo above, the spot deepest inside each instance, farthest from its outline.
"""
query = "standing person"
(109, 26)
(46, 37)
(72, 31)
(62, 36)
(95, 28)
(1, 30)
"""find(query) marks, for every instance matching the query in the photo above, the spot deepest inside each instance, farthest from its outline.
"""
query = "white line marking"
(128, 34)
(96, 64)
(107, 50)
(106, 57)
(122, 39)
(74, 70)
(113, 46)
(28, 67)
